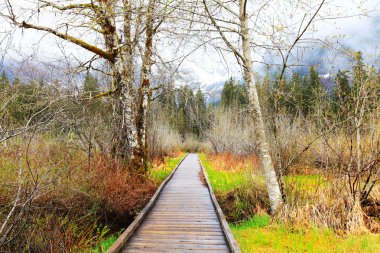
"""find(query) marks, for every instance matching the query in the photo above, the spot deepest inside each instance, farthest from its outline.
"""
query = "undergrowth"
(312, 220)
(240, 190)
(77, 204)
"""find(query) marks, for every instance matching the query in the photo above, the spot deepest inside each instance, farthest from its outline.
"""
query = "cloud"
(206, 66)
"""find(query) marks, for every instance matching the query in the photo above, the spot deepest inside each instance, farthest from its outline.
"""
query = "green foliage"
(168, 104)
(341, 98)
(299, 95)
(187, 112)
(306, 96)
(106, 243)
(201, 114)
(90, 89)
(295, 102)
(233, 94)
(312, 91)
(26, 100)
(359, 72)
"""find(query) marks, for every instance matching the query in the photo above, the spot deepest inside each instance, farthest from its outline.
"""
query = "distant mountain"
(327, 81)
(212, 92)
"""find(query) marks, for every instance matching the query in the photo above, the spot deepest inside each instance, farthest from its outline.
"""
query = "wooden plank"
(184, 217)
(226, 229)
(123, 238)
(175, 250)
(180, 237)
(221, 241)
(152, 245)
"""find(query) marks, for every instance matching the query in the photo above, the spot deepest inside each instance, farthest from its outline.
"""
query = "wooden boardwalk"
(183, 217)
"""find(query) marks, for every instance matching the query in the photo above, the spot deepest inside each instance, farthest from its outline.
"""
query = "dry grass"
(78, 204)
(232, 163)
(319, 215)
(314, 200)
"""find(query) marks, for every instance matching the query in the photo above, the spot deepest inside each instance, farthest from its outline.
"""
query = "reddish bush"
(122, 191)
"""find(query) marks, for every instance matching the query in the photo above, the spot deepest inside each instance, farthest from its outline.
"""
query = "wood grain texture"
(234, 247)
(124, 237)
(183, 218)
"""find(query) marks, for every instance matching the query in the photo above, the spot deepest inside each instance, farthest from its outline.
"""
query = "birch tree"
(278, 27)
(243, 55)
(118, 32)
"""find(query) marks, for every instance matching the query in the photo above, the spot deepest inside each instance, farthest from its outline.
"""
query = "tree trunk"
(124, 132)
(141, 156)
(273, 188)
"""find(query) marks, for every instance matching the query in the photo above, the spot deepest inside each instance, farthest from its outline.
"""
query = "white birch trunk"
(273, 188)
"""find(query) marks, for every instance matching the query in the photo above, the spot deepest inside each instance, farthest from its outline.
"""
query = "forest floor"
(239, 188)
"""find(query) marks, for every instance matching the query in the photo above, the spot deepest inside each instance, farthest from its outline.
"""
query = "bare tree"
(244, 57)
(280, 28)
(126, 30)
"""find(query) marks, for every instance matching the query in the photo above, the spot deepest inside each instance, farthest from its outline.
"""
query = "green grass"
(106, 244)
(306, 182)
(225, 181)
(258, 235)
(257, 221)
(160, 173)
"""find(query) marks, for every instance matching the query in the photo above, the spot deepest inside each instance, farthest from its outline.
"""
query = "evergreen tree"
(341, 94)
(26, 101)
(201, 112)
(233, 94)
(278, 93)
(91, 89)
(168, 103)
(186, 109)
(294, 94)
(306, 92)
(360, 74)
(264, 90)
(313, 91)
(227, 95)
(315, 82)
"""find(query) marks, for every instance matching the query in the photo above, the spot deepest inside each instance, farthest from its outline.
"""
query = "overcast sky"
(205, 66)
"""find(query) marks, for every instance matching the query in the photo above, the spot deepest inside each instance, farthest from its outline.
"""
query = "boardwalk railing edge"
(124, 237)
(223, 222)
